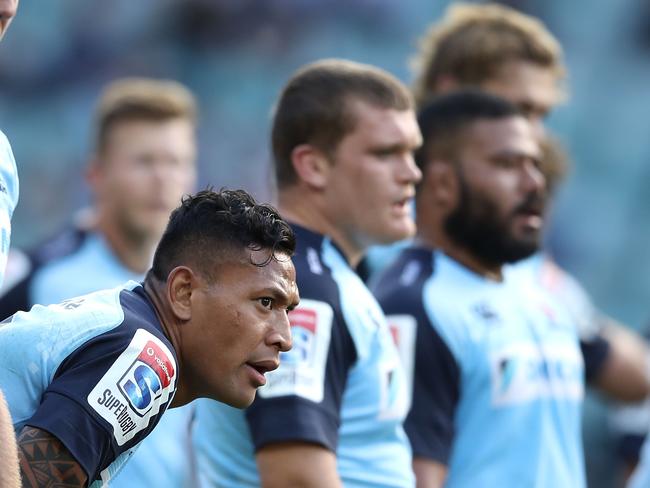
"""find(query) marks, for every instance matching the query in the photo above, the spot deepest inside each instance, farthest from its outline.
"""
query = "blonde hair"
(141, 99)
(472, 41)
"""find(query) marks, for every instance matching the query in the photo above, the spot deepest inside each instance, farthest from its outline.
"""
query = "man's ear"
(446, 84)
(311, 165)
(93, 174)
(441, 180)
(181, 283)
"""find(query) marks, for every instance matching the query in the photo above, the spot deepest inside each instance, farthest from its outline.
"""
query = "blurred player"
(501, 51)
(87, 379)
(343, 136)
(498, 370)
(143, 162)
(9, 476)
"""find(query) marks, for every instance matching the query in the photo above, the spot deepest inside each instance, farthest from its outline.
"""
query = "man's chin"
(395, 233)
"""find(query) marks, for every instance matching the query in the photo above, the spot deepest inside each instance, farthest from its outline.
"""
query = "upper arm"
(428, 473)
(106, 397)
(623, 370)
(297, 464)
(436, 393)
(9, 476)
(45, 461)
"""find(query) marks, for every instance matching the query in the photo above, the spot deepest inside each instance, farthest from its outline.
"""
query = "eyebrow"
(396, 147)
(279, 294)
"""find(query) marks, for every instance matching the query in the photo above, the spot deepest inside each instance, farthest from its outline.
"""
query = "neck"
(431, 234)
(308, 211)
(134, 252)
(156, 292)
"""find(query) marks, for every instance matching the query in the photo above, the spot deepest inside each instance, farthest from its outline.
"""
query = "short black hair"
(444, 119)
(210, 224)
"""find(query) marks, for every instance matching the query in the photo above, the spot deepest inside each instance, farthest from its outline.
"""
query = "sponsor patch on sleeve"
(137, 384)
(302, 370)
(403, 330)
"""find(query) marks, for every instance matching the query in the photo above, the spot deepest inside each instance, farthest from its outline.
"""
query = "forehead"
(257, 268)
(523, 82)
(490, 137)
(373, 124)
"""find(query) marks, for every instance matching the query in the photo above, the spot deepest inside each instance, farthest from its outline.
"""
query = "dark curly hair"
(210, 224)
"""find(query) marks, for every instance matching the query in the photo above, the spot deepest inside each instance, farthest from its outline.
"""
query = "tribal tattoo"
(46, 462)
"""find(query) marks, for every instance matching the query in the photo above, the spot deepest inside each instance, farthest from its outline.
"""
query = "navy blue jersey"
(95, 371)
(341, 386)
(497, 374)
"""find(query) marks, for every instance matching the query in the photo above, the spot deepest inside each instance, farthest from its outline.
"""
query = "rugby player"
(498, 374)
(87, 379)
(509, 54)
(144, 161)
(331, 415)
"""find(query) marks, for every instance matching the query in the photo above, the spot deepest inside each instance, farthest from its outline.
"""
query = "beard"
(476, 226)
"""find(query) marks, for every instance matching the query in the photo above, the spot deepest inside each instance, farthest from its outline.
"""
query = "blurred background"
(236, 54)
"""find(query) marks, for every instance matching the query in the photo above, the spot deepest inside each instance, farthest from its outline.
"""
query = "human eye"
(266, 302)
(505, 162)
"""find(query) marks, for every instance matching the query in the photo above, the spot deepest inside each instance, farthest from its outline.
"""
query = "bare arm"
(624, 376)
(297, 464)
(429, 473)
(9, 475)
(46, 462)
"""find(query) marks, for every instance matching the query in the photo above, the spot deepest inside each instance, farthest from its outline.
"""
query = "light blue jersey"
(96, 371)
(498, 375)
(8, 198)
(341, 386)
(77, 262)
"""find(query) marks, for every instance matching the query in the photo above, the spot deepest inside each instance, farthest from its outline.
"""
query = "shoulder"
(65, 243)
(313, 274)
(399, 287)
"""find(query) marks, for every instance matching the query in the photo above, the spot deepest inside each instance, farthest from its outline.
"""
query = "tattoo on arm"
(46, 462)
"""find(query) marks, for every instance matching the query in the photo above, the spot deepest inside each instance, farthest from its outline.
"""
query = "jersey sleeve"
(302, 398)
(107, 396)
(430, 422)
(595, 350)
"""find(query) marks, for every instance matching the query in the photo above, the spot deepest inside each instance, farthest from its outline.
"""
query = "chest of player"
(522, 346)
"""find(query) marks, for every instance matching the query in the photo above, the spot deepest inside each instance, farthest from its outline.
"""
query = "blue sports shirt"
(497, 373)
(341, 386)
(95, 371)
(76, 262)
(8, 198)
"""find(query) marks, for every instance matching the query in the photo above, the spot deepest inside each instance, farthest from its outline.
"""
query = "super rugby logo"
(138, 384)
(302, 370)
(303, 329)
(145, 379)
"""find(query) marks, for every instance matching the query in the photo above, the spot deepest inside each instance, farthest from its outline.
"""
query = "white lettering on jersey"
(524, 372)
(302, 370)
(137, 384)
(403, 329)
